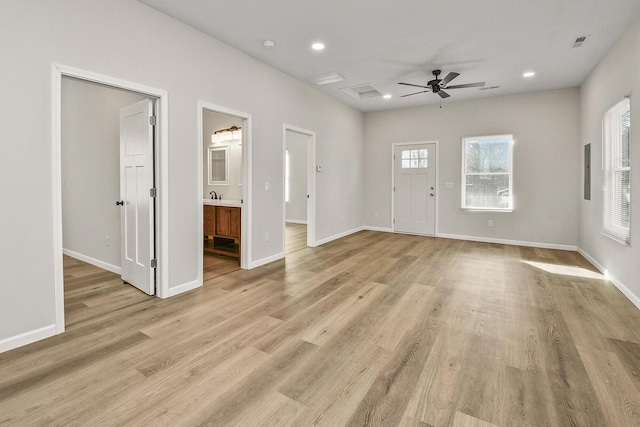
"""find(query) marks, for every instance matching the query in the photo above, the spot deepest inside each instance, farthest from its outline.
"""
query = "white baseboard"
(89, 260)
(383, 229)
(509, 242)
(337, 236)
(296, 221)
(185, 287)
(266, 260)
(10, 343)
(627, 293)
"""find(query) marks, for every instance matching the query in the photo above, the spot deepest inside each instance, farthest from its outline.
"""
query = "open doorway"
(86, 175)
(108, 209)
(299, 188)
(224, 188)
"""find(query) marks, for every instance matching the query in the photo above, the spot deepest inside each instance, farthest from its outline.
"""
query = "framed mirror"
(218, 160)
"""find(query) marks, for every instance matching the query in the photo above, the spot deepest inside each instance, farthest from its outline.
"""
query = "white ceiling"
(383, 42)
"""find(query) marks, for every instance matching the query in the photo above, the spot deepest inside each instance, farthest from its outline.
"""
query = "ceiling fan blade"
(476, 84)
(410, 84)
(424, 91)
(449, 77)
(443, 94)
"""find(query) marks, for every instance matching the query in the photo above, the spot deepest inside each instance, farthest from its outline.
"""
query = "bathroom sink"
(230, 202)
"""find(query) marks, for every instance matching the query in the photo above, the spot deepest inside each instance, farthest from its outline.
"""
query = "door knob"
(120, 203)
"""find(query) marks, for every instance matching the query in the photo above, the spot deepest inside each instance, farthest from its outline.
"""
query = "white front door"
(136, 203)
(414, 179)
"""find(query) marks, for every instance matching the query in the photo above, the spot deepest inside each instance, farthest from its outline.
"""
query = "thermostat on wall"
(319, 168)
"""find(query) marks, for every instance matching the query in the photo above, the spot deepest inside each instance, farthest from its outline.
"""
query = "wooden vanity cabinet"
(209, 220)
(222, 230)
(227, 221)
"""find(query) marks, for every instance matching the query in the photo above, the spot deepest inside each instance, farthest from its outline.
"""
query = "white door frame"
(393, 208)
(245, 235)
(311, 184)
(161, 175)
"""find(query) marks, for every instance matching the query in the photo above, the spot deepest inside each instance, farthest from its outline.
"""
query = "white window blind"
(616, 129)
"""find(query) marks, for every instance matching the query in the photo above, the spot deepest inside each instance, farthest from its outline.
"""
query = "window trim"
(610, 168)
(463, 189)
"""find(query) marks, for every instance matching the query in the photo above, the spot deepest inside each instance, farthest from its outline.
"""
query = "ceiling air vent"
(361, 91)
(579, 41)
(326, 78)
(489, 88)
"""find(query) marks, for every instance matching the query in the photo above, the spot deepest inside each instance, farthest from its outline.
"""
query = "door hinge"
(394, 157)
(153, 192)
(154, 263)
(394, 188)
(152, 120)
(394, 220)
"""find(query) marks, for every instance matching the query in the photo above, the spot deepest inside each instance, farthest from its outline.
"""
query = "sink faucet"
(214, 195)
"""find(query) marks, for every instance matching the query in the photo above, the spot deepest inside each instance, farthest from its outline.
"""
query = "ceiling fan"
(437, 85)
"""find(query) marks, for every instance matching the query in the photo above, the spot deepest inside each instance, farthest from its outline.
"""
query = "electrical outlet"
(267, 186)
(490, 223)
(375, 214)
(106, 241)
(448, 185)
(266, 236)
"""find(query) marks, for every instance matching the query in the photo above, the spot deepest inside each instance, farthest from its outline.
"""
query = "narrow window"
(616, 129)
(286, 175)
(486, 173)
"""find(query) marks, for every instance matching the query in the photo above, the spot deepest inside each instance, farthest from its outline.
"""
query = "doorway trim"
(245, 212)
(58, 71)
(311, 185)
(393, 184)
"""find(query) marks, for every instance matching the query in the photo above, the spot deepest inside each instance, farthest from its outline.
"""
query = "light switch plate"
(448, 185)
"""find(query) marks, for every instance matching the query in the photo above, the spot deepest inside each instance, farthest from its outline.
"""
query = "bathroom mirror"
(219, 165)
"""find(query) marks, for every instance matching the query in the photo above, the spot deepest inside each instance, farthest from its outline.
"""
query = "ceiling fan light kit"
(438, 85)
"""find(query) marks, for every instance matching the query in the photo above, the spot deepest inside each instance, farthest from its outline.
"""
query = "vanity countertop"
(229, 203)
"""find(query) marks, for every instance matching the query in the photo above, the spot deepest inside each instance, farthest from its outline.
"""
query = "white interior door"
(414, 180)
(136, 201)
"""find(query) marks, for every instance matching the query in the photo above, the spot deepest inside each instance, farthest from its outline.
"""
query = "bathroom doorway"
(223, 190)
(299, 189)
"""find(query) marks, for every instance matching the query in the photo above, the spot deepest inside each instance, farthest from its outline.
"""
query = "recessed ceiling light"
(529, 74)
(387, 96)
(317, 46)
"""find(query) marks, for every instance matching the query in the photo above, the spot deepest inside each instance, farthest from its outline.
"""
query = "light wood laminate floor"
(295, 237)
(373, 329)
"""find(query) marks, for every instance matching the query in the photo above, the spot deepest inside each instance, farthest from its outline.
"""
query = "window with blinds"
(616, 127)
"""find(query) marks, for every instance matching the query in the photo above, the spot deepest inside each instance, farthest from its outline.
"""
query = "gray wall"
(127, 40)
(617, 75)
(212, 122)
(296, 208)
(545, 127)
(90, 169)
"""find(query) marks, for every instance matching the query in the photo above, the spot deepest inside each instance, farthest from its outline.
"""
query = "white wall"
(127, 40)
(212, 122)
(545, 164)
(617, 75)
(296, 207)
(90, 169)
